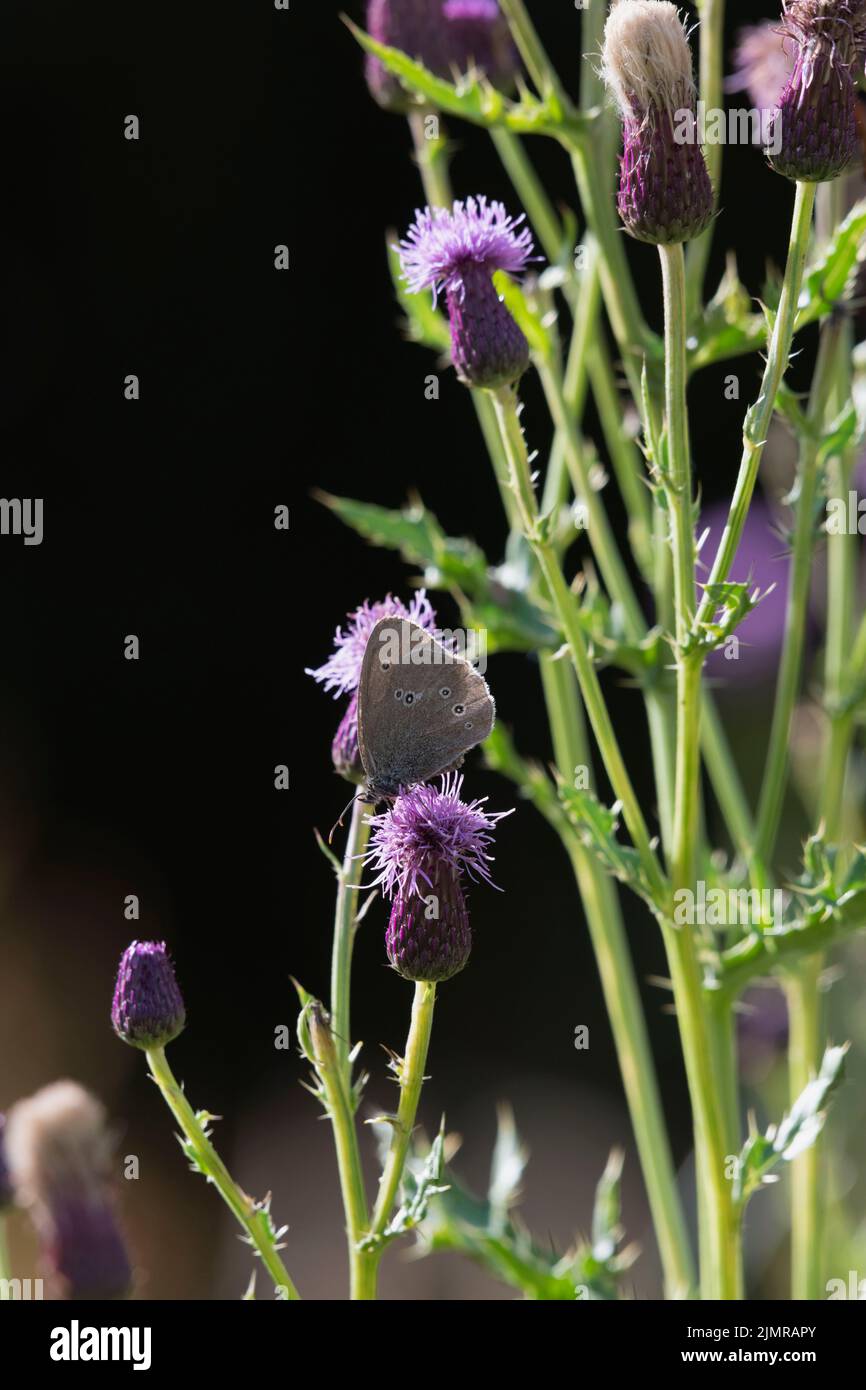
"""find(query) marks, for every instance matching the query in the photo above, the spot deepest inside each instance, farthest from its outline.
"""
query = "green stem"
(5, 1263)
(344, 931)
(431, 156)
(758, 418)
(253, 1217)
(804, 1046)
(564, 603)
(411, 1078)
(790, 669)
(710, 37)
(531, 191)
(621, 994)
(702, 1036)
(334, 1074)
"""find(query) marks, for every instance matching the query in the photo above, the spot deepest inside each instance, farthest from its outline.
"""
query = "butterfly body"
(421, 707)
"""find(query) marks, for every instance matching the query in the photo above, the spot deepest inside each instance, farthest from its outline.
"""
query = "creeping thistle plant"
(513, 290)
(506, 313)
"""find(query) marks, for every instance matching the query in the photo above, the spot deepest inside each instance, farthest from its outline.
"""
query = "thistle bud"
(459, 250)
(813, 134)
(446, 36)
(60, 1154)
(665, 194)
(148, 1009)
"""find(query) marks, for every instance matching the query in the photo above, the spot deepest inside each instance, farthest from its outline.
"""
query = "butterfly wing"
(420, 707)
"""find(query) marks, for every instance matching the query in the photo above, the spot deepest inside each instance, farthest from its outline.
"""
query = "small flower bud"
(446, 36)
(665, 194)
(60, 1154)
(148, 1009)
(813, 135)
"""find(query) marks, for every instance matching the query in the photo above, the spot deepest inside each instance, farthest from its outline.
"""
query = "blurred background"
(156, 777)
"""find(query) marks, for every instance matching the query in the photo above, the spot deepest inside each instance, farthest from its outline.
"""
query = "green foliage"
(729, 327)
(488, 1231)
(732, 603)
(797, 1131)
(472, 98)
(597, 827)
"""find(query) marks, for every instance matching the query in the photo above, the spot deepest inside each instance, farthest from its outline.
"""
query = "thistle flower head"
(763, 60)
(458, 250)
(60, 1154)
(813, 136)
(445, 35)
(342, 670)
(422, 846)
(427, 826)
(665, 194)
(148, 1009)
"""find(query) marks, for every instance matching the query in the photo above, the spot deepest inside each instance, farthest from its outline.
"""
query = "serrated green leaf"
(797, 1131)
(472, 98)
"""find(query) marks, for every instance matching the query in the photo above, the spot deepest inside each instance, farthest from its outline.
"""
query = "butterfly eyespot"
(409, 698)
(398, 694)
(386, 665)
(468, 724)
(445, 691)
(458, 709)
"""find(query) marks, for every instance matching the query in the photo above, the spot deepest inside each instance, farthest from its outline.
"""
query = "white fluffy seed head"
(646, 59)
(57, 1140)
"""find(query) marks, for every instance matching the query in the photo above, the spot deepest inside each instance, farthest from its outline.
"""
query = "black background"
(156, 777)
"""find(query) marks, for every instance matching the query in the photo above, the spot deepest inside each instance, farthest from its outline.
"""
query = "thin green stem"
(564, 603)
(5, 1264)
(334, 1073)
(411, 1079)
(790, 669)
(710, 39)
(521, 171)
(703, 1037)
(758, 418)
(621, 994)
(804, 1046)
(344, 929)
(431, 156)
(253, 1216)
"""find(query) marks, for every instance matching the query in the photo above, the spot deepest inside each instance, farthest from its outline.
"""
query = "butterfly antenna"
(339, 822)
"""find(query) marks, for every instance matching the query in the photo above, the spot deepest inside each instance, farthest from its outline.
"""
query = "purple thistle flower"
(60, 1156)
(148, 1009)
(813, 135)
(665, 194)
(6, 1190)
(446, 37)
(458, 251)
(421, 847)
(342, 670)
(764, 59)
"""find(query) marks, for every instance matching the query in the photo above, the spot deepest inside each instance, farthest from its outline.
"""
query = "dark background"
(156, 777)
